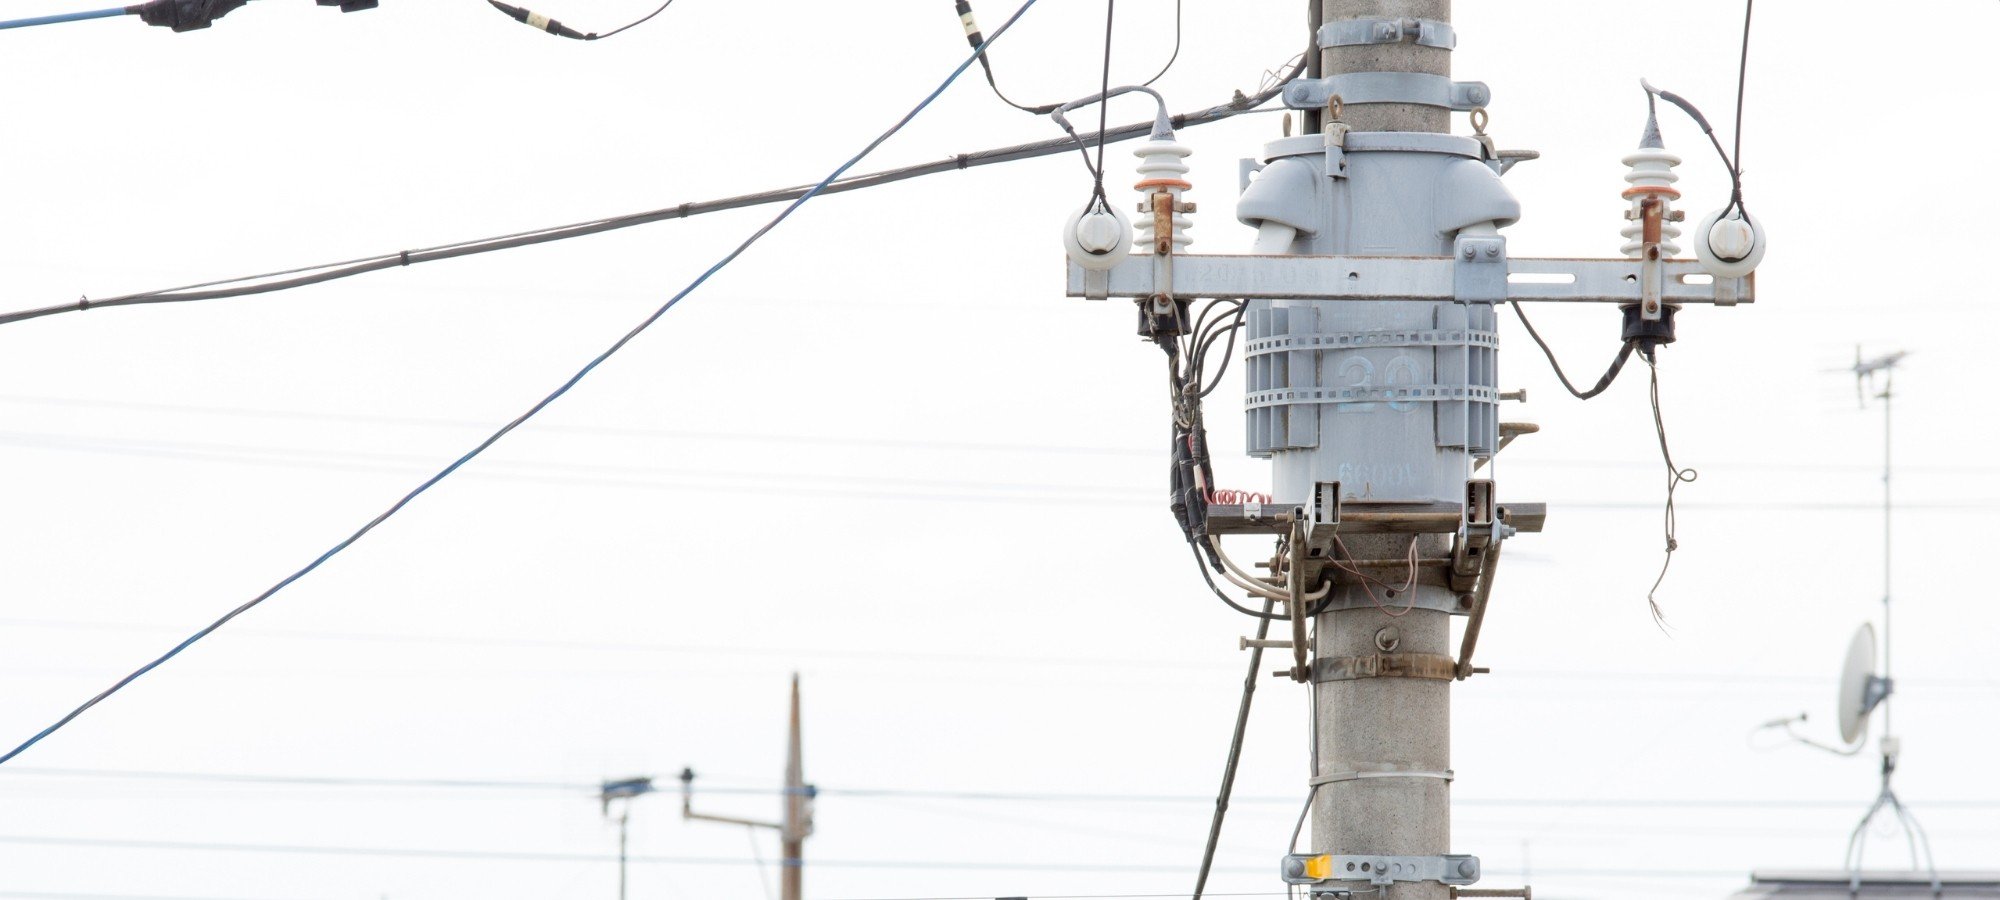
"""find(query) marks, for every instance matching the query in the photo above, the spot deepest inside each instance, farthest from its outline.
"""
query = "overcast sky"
(882, 450)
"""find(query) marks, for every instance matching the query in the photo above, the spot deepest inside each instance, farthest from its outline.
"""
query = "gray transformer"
(1364, 392)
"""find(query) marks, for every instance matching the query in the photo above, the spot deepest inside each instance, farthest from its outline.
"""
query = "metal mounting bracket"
(1388, 87)
(1451, 868)
(1358, 32)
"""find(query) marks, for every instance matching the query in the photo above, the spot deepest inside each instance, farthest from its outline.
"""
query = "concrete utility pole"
(1375, 727)
(795, 823)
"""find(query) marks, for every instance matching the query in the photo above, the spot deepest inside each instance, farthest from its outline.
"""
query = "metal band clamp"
(1388, 87)
(1358, 32)
(1433, 666)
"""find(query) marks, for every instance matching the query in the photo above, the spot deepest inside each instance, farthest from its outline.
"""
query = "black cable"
(1729, 164)
(634, 24)
(532, 411)
(544, 23)
(1202, 564)
(1104, 105)
(1228, 352)
(1235, 752)
(972, 34)
(1676, 476)
(325, 272)
(1742, 71)
(1610, 374)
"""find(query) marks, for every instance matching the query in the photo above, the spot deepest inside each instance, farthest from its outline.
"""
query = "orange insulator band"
(1163, 183)
(1645, 190)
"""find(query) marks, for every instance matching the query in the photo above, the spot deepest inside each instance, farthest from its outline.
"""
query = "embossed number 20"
(1360, 372)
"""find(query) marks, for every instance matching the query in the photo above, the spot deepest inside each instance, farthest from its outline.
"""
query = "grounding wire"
(1676, 476)
(324, 272)
(539, 405)
(1235, 751)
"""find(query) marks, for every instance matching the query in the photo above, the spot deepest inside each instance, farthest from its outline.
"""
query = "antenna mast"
(1864, 375)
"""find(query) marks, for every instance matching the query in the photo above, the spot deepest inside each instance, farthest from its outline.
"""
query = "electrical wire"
(1676, 476)
(1604, 382)
(537, 407)
(1742, 72)
(60, 18)
(1235, 751)
(241, 286)
(985, 63)
(1104, 106)
(544, 23)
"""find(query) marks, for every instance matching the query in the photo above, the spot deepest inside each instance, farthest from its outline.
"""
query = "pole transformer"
(1370, 361)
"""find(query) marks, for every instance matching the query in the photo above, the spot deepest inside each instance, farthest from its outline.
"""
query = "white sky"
(883, 450)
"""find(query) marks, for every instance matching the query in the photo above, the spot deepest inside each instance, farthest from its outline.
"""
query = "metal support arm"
(1426, 279)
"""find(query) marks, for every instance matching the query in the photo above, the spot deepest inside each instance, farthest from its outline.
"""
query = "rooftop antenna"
(1862, 691)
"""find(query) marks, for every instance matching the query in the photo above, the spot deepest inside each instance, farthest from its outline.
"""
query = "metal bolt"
(1470, 252)
(1652, 307)
(1468, 869)
(1295, 868)
(1386, 31)
(1388, 638)
(1493, 252)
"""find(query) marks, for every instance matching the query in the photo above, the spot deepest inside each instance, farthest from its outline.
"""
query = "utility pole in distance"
(795, 824)
(1371, 361)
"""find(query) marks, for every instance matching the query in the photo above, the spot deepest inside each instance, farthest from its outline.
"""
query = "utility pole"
(1371, 364)
(1392, 735)
(623, 791)
(795, 823)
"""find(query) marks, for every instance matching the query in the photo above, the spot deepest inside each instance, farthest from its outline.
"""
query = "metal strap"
(1357, 32)
(1361, 340)
(1388, 87)
(1409, 393)
(1434, 666)
(1337, 777)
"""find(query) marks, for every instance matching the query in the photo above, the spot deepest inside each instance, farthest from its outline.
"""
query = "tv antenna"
(1862, 691)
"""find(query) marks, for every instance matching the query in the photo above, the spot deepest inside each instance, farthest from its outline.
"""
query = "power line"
(539, 405)
(930, 658)
(707, 480)
(863, 864)
(1010, 797)
(324, 272)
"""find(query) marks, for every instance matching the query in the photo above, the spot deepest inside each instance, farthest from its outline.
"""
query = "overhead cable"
(286, 279)
(539, 405)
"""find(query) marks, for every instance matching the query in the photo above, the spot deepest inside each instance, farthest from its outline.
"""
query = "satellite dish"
(1858, 690)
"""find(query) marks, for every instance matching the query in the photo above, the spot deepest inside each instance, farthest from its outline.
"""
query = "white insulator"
(1651, 167)
(1650, 173)
(1161, 167)
(1670, 232)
